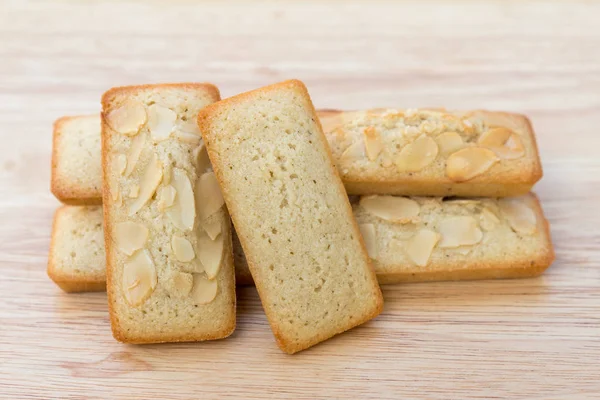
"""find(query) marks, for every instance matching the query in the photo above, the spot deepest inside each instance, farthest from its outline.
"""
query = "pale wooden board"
(535, 339)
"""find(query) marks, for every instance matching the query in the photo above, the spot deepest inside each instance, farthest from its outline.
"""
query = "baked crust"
(69, 281)
(152, 337)
(506, 178)
(61, 185)
(206, 119)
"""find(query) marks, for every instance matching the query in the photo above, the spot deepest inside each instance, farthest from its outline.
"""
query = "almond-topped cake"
(167, 233)
(291, 214)
(426, 238)
(423, 152)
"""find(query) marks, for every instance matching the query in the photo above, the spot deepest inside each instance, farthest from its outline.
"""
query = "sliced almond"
(166, 197)
(373, 143)
(148, 184)
(114, 187)
(189, 126)
(134, 191)
(167, 174)
(209, 199)
(180, 283)
(464, 250)
(449, 142)
(354, 152)
(161, 121)
(504, 142)
(212, 226)
(204, 290)
(519, 215)
(120, 163)
(467, 163)
(370, 238)
(182, 249)
(187, 137)
(139, 278)
(119, 199)
(210, 253)
(463, 202)
(488, 219)
(391, 208)
(417, 155)
(137, 144)
(420, 246)
(130, 236)
(202, 160)
(128, 118)
(183, 212)
(459, 231)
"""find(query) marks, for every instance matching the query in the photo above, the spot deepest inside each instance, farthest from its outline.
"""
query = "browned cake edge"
(65, 191)
(118, 333)
(68, 283)
(480, 186)
(205, 118)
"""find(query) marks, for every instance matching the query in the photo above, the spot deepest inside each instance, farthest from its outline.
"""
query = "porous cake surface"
(76, 165)
(168, 238)
(76, 260)
(420, 239)
(433, 152)
(291, 213)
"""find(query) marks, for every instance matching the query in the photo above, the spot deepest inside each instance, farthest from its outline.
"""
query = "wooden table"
(535, 338)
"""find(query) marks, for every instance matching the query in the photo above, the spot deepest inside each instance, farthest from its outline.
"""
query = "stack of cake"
(434, 195)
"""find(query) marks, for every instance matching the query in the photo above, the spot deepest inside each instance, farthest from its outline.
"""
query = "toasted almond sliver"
(459, 231)
(137, 145)
(134, 190)
(139, 278)
(449, 142)
(161, 121)
(120, 163)
(504, 142)
(467, 163)
(148, 184)
(391, 208)
(180, 283)
(417, 155)
(187, 137)
(183, 211)
(488, 219)
(212, 226)
(202, 160)
(210, 253)
(130, 236)
(204, 290)
(420, 246)
(354, 152)
(370, 238)
(464, 250)
(209, 199)
(128, 118)
(373, 143)
(519, 215)
(166, 197)
(114, 187)
(182, 249)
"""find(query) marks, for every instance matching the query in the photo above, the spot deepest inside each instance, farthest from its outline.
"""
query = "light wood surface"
(535, 339)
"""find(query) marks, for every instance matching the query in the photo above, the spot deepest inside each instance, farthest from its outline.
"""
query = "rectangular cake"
(435, 239)
(291, 214)
(167, 233)
(76, 262)
(76, 167)
(433, 152)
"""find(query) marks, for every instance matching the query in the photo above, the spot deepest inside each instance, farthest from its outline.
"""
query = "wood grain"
(534, 339)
